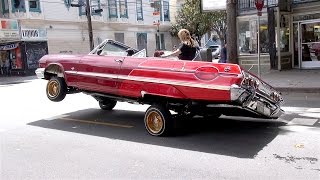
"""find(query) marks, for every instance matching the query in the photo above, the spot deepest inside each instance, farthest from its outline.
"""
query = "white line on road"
(95, 122)
(303, 121)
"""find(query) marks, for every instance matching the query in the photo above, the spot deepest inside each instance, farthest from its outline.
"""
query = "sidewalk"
(294, 80)
(307, 81)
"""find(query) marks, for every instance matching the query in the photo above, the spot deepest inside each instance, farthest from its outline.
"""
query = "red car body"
(187, 87)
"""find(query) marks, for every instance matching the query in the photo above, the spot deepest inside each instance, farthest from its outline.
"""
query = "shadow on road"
(218, 136)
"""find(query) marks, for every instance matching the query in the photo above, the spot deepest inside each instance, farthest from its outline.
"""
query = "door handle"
(118, 60)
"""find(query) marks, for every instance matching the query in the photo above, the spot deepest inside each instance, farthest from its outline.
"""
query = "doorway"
(309, 44)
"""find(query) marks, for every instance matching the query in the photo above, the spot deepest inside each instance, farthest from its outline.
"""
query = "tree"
(190, 17)
(219, 24)
(198, 23)
(232, 53)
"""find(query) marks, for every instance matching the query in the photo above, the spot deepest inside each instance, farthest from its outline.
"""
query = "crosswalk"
(303, 116)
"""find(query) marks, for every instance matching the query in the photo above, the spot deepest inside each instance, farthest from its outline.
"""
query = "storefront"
(10, 51)
(22, 49)
(306, 39)
(34, 45)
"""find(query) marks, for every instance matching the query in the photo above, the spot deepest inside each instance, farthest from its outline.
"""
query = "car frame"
(174, 89)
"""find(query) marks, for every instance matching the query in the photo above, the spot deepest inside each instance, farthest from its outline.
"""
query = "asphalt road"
(74, 139)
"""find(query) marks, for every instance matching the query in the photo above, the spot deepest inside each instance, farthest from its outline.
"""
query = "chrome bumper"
(40, 73)
(256, 102)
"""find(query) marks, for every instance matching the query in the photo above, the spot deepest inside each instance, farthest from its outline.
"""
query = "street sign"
(259, 5)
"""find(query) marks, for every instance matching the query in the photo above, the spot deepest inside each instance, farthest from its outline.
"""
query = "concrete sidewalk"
(294, 80)
(285, 81)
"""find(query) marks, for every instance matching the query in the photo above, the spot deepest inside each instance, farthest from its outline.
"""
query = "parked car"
(173, 88)
(215, 51)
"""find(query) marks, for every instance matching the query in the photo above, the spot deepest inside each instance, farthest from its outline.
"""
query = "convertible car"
(173, 88)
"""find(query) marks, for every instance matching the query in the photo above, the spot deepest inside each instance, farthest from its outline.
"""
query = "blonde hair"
(186, 38)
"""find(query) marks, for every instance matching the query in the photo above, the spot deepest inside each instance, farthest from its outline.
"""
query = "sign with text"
(213, 5)
(9, 29)
(33, 34)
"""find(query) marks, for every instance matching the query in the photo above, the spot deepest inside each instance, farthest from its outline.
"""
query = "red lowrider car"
(183, 88)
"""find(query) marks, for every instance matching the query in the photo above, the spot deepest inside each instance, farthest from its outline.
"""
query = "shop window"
(166, 13)
(284, 33)
(18, 6)
(248, 39)
(5, 6)
(139, 10)
(113, 12)
(123, 7)
(34, 6)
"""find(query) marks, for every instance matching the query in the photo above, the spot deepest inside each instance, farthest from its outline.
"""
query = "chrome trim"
(256, 101)
(152, 80)
(40, 73)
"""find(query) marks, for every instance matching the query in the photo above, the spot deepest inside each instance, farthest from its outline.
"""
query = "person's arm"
(174, 53)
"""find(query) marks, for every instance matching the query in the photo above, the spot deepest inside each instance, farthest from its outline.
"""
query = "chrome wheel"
(56, 89)
(53, 89)
(158, 120)
(155, 122)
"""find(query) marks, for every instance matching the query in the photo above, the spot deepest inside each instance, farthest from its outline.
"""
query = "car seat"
(204, 54)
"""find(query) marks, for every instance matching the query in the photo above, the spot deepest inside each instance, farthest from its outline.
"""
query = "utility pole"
(88, 14)
(232, 52)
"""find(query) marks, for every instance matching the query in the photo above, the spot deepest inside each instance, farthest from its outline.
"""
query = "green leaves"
(198, 23)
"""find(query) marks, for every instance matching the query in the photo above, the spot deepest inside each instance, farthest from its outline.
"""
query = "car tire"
(158, 121)
(107, 104)
(56, 89)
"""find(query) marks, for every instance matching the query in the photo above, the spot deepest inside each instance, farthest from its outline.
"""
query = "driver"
(130, 52)
(188, 47)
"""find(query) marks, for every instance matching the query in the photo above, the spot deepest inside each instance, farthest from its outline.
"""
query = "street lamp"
(88, 14)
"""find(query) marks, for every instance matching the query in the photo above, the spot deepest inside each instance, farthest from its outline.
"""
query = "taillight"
(206, 73)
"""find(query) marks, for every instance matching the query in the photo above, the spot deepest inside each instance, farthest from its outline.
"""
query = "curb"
(298, 89)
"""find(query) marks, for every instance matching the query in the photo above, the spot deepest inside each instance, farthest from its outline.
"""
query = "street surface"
(74, 139)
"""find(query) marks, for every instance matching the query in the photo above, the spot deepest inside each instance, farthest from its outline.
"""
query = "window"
(82, 8)
(139, 10)
(158, 9)
(18, 6)
(248, 39)
(95, 5)
(113, 9)
(113, 50)
(5, 6)
(34, 5)
(160, 43)
(119, 37)
(166, 13)
(123, 9)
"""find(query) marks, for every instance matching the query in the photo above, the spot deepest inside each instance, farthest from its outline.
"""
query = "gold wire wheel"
(53, 88)
(155, 122)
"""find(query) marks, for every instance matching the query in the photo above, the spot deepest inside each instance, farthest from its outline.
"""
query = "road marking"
(303, 121)
(95, 122)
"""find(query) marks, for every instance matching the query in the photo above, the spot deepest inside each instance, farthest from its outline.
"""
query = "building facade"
(56, 26)
(289, 33)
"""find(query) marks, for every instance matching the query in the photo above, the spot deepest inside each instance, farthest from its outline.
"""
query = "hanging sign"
(9, 29)
(213, 5)
(8, 46)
